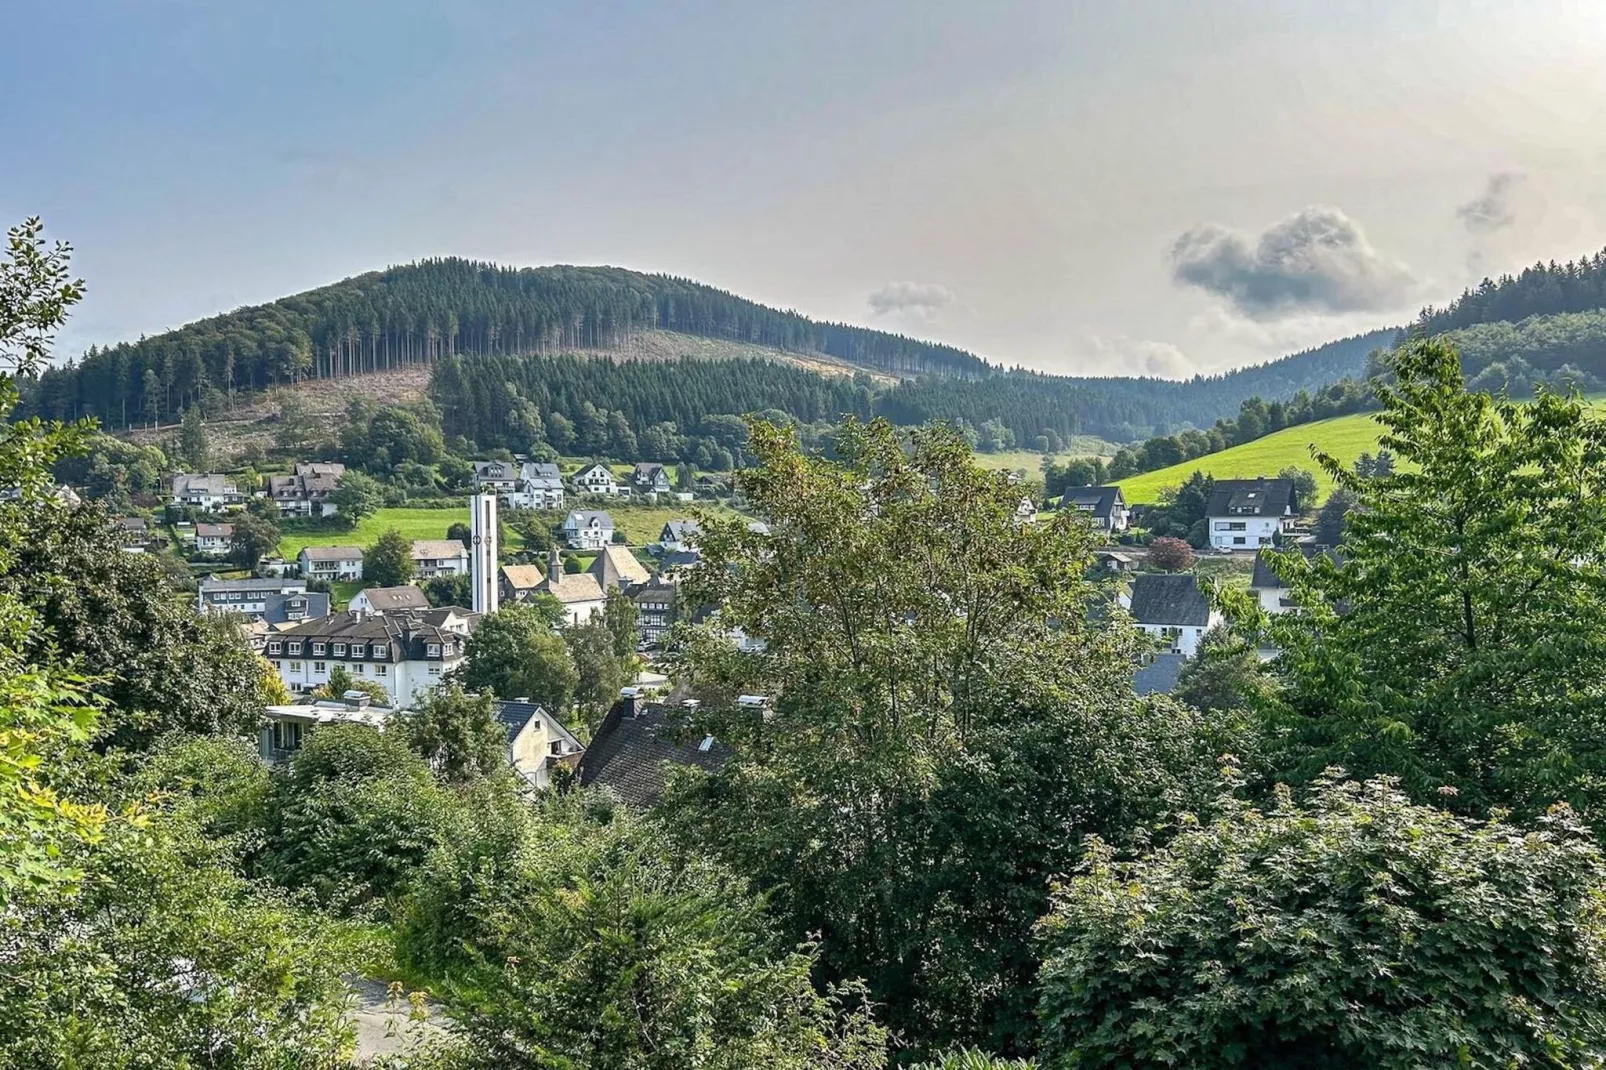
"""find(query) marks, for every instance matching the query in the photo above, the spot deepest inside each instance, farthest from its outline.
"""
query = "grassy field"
(1032, 461)
(1345, 437)
(641, 524)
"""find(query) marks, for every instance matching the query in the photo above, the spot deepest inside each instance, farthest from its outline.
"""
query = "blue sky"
(1144, 187)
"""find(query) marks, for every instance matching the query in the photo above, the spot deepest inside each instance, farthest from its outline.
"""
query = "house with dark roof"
(521, 484)
(636, 746)
(377, 601)
(1269, 588)
(537, 742)
(655, 611)
(588, 529)
(407, 654)
(650, 478)
(273, 601)
(1246, 514)
(1105, 506)
(208, 491)
(1172, 608)
(598, 478)
(679, 536)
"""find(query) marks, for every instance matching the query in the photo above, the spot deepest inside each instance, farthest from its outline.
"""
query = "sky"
(1149, 187)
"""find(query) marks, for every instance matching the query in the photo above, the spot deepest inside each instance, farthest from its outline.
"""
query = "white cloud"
(1119, 354)
(1491, 210)
(917, 299)
(1316, 260)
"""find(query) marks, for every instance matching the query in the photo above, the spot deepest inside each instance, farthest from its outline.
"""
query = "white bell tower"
(482, 552)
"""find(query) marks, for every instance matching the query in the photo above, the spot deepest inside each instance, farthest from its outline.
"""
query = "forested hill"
(421, 312)
(1542, 290)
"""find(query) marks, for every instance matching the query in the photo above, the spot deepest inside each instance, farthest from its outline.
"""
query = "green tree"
(296, 431)
(971, 1059)
(598, 673)
(1226, 673)
(357, 496)
(341, 680)
(590, 943)
(620, 617)
(193, 440)
(947, 722)
(1460, 642)
(514, 653)
(458, 734)
(389, 561)
(453, 590)
(1332, 517)
(254, 538)
(1304, 482)
(1354, 930)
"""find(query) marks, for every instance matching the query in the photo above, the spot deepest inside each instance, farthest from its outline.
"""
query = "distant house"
(521, 485)
(272, 601)
(520, 582)
(649, 478)
(597, 478)
(1246, 514)
(407, 654)
(1269, 588)
(679, 535)
(305, 493)
(439, 557)
(537, 742)
(214, 540)
(134, 534)
(1115, 560)
(207, 491)
(285, 728)
(633, 749)
(616, 566)
(588, 529)
(1026, 509)
(655, 611)
(330, 562)
(579, 593)
(377, 601)
(1105, 506)
(1171, 607)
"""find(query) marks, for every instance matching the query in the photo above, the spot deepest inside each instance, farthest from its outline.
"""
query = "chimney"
(554, 565)
(355, 700)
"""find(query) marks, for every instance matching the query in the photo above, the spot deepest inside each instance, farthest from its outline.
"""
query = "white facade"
(214, 540)
(244, 596)
(598, 479)
(439, 557)
(205, 490)
(482, 553)
(1181, 638)
(330, 562)
(588, 529)
(1243, 532)
(304, 663)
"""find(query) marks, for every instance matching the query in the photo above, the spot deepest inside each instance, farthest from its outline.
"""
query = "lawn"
(1032, 461)
(643, 523)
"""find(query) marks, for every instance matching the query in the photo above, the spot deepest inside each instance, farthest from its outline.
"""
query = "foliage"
(582, 940)
(1181, 512)
(341, 680)
(458, 734)
(453, 590)
(599, 673)
(389, 561)
(1224, 674)
(357, 496)
(1354, 930)
(1460, 642)
(110, 469)
(1541, 290)
(193, 443)
(1332, 517)
(166, 957)
(378, 438)
(1171, 555)
(254, 538)
(514, 653)
(948, 722)
(972, 1059)
(355, 816)
(1304, 484)
(620, 617)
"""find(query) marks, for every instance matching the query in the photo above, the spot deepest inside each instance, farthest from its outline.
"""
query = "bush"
(1355, 930)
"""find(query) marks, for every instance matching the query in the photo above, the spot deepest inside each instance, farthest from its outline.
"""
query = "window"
(434, 670)
(556, 746)
(1239, 540)
(359, 668)
(381, 670)
(286, 736)
(274, 648)
(295, 647)
(295, 666)
(318, 649)
(319, 667)
(340, 650)
(359, 650)
(432, 650)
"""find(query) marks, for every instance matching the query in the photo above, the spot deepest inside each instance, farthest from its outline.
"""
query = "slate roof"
(647, 472)
(332, 553)
(514, 715)
(616, 566)
(543, 473)
(435, 549)
(679, 531)
(394, 599)
(1265, 577)
(210, 483)
(1158, 676)
(1252, 497)
(522, 577)
(310, 605)
(133, 523)
(1169, 599)
(1097, 500)
(320, 468)
(585, 518)
(214, 531)
(495, 470)
(632, 749)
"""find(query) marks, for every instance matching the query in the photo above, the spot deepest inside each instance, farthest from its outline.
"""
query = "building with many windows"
(1246, 514)
(407, 654)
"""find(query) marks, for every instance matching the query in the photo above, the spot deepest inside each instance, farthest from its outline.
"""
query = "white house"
(439, 557)
(1105, 506)
(1171, 607)
(206, 490)
(1246, 514)
(330, 562)
(404, 653)
(598, 478)
(650, 478)
(588, 529)
(537, 742)
(306, 492)
(579, 593)
(376, 601)
(214, 540)
(678, 536)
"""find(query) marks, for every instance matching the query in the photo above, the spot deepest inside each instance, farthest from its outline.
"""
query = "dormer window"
(433, 650)
(340, 650)
(295, 647)
(275, 648)
(359, 650)
(318, 649)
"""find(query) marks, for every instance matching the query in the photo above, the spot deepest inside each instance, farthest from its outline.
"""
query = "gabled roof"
(1100, 501)
(320, 468)
(331, 553)
(513, 716)
(204, 483)
(575, 587)
(633, 748)
(393, 599)
(542, 472)
(679, 530)
(309, 605)
(616, 566)
(593, 467)
(587, 518)
(1252, 497)
(437, 548)
(522, 577)
(1169, 599)
(495, 470)
(214, 531)
(646, 470)
(132, 523)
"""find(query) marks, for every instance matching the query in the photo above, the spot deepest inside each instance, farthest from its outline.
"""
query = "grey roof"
(214, 531)
(514, 715)
(679, 559)
(213, 583)
(496, 470)
(1172, 599)
(1267, 578)
(582, 518)
(132, 523)
(543, 472)
(647, 470)
(331, 553)
(1159, 676)
(438, 548)
(204, 482)
(1252, 497)
(391, 599)
(1097, 500)
(679, 530)
(631, 750)
(309, 605)
(320, 468)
